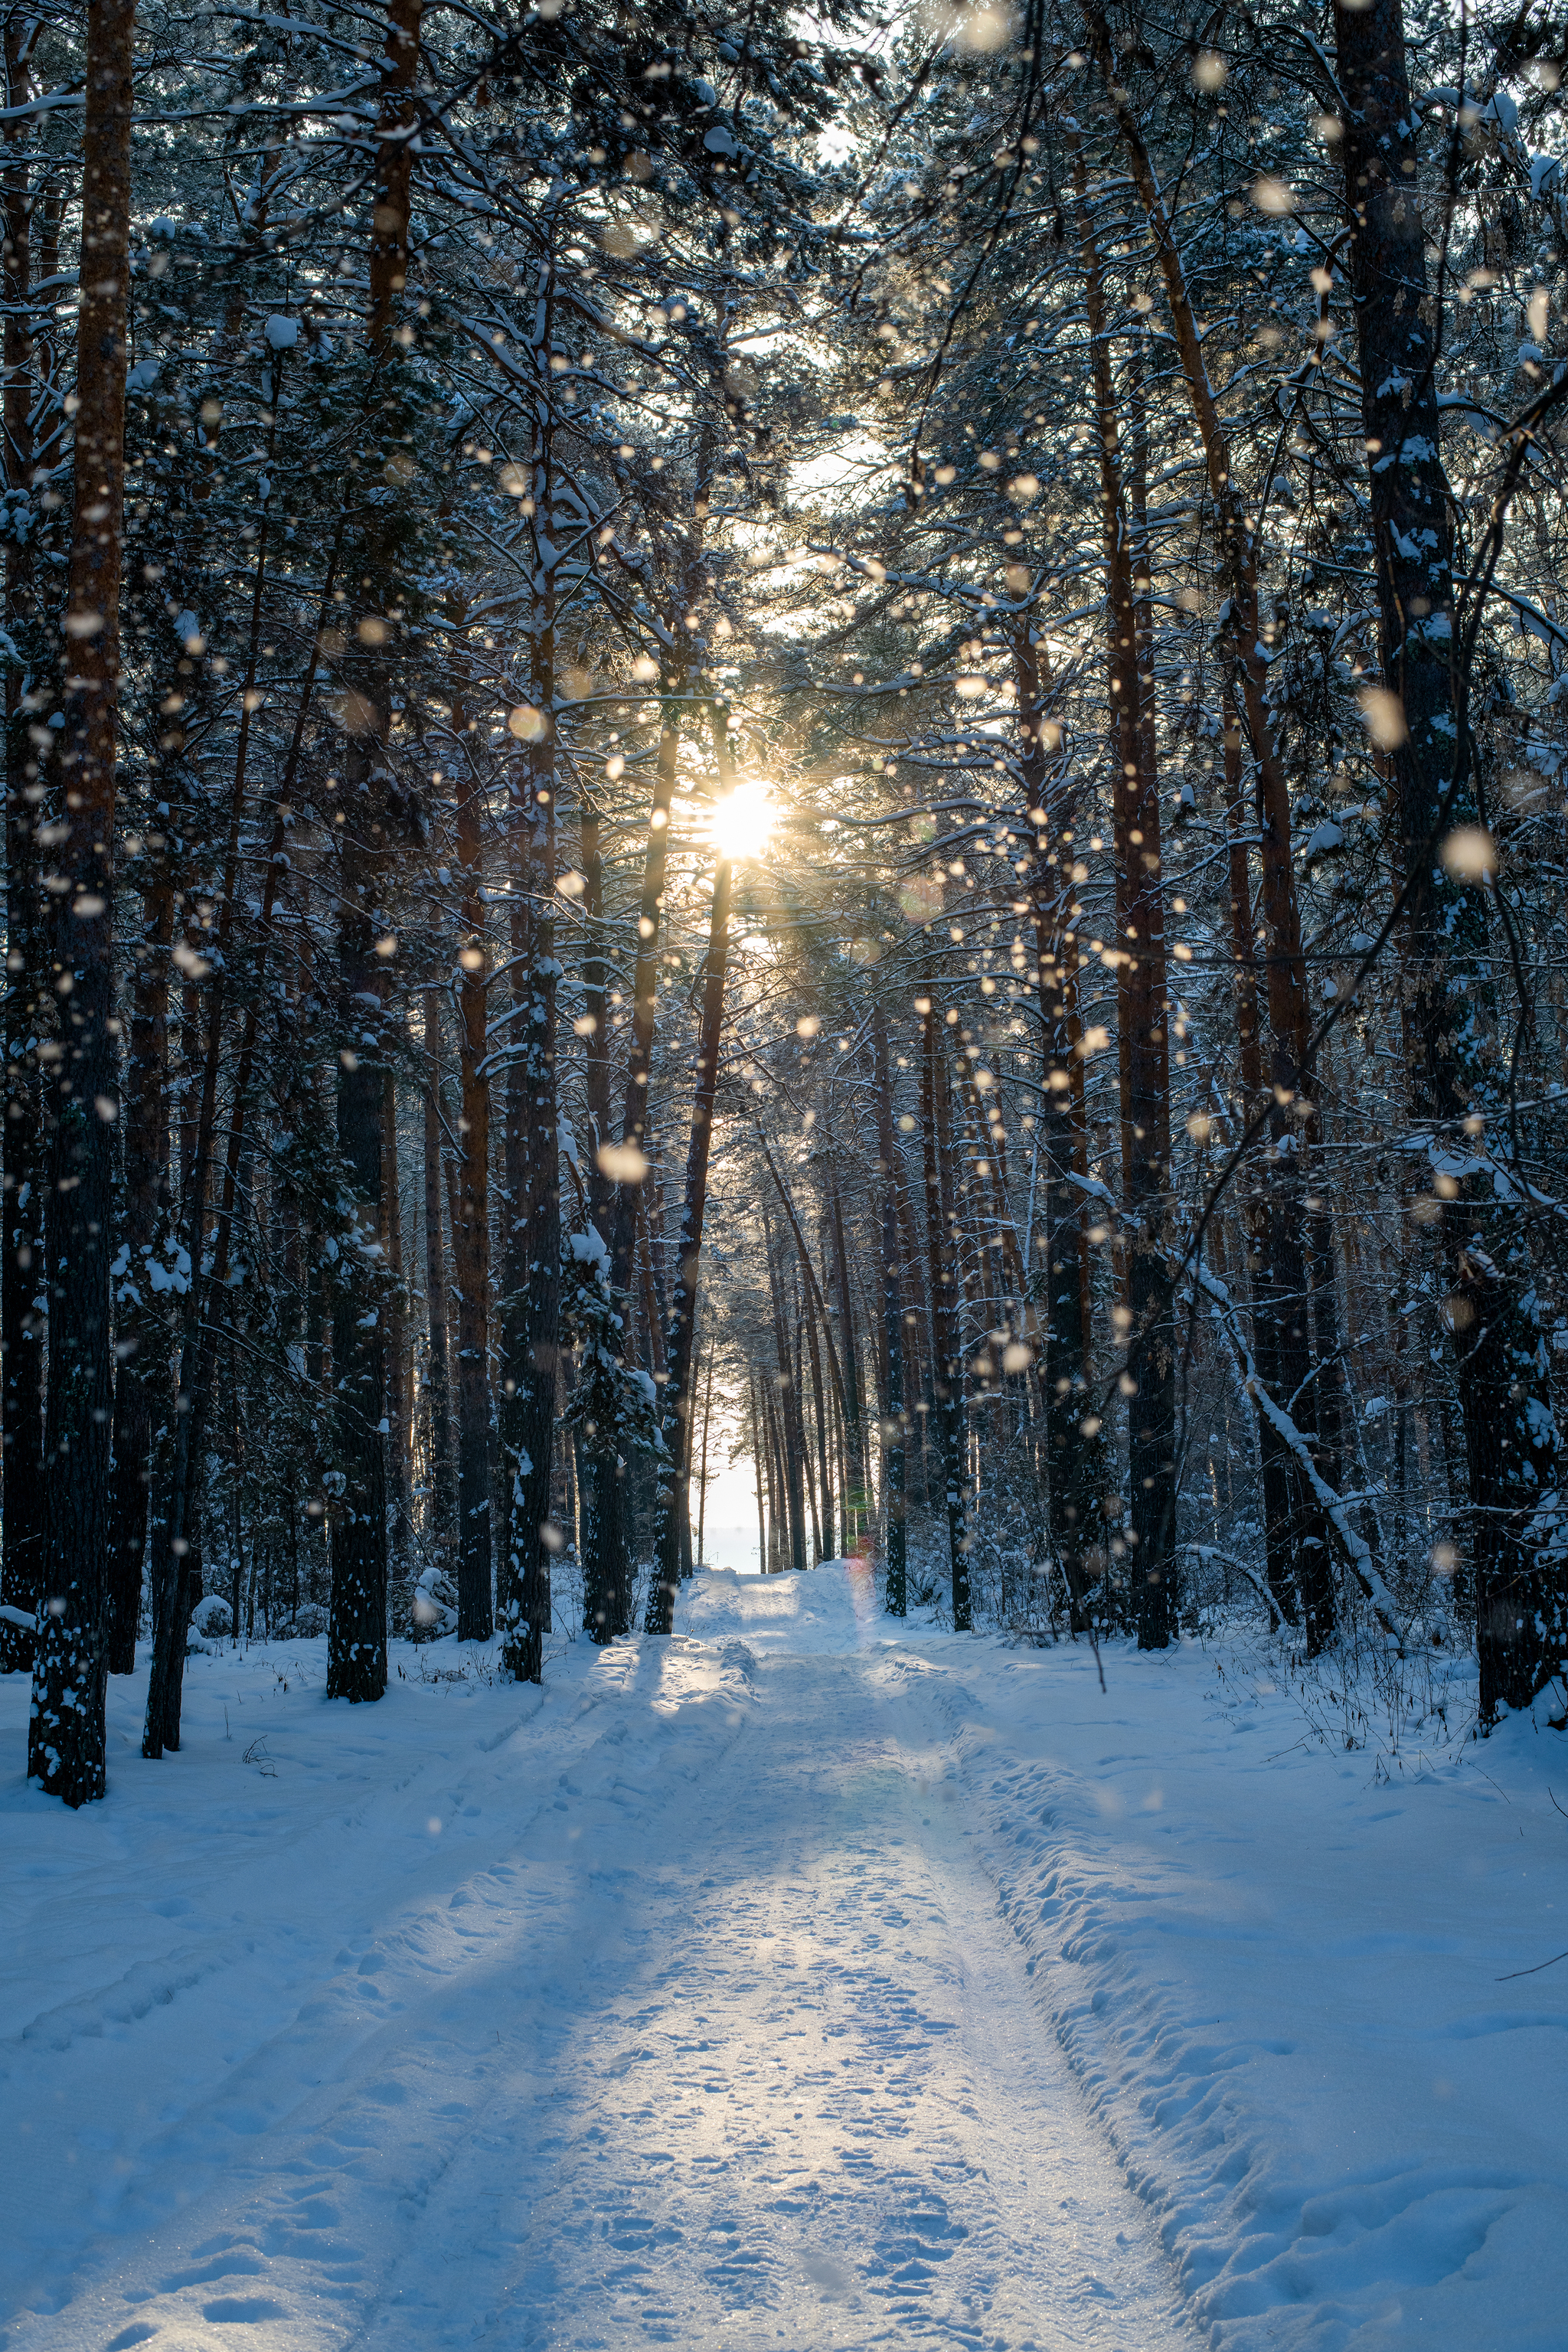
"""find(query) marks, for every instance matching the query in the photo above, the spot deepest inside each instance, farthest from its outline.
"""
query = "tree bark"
(1512, 1445)
(471, 1228)
(146, 1178)
(1278, 1500)
(680, 1337)
(437, 1305)
(526, 1609)
(398, 1364)
(895, 1531)
(66, 1735)
(792, 1444)
(1075, 1471)
(757, 1466)
(22, 1270)
(702, 1471)
(1285, 968)
(178, 1481)
(356, 1633)
(1141, 1019)
(850, 1403)
(613, 1199)
(947, 1357)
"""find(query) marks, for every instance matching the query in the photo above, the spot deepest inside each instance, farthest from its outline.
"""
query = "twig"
(1535, 1971)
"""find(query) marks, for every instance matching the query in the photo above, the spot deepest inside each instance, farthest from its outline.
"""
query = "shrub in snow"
(433, 1610)
(212, 1618)
(16, 1640)
(310, 1621)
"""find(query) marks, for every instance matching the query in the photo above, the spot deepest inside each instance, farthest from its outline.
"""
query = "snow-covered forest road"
(708, 1997)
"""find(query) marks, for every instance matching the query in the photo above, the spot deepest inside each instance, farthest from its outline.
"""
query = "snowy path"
(677, 2007)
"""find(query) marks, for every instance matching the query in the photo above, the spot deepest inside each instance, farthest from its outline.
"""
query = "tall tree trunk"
(1279, 1567)
(1142, 1032)
(596, 982)
(356, 1649)
(1286, 1295)
(66, 1734)
(772, 1560)
(680, 1339)
(398, 1364)
(792, 1444)
(778, 1507)
(180, 1476)
(850, 1403)
(819, 1407)
(357, 1643)
(471, 1229)
(438, 1304)
(895, 1532)
(1074, 1454)
(533, 1315)
(146, 1183)
(612, 1197)
(947, 1354)
(512, 1187)
(757, 1466)
(1512, 1446)
(526, 1613)
(803, 1255)
(702, 1472)
(797, 1323)
(22, 1273)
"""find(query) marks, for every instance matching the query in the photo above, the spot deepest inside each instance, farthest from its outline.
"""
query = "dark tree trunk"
(613, 1198)
(146, 1173)
(187, 1593)
(22, 1323)
(178, 1480)
(471, 1229)
(784, 1522)
(398, 1532)
(797, 1385)
(596, 982)
(1279, 1496)
(773, 1553)
(1141, 1032)
(757, 1466)
(1074, 1454)
(437, 1376)
(356, 1649)
(1284, 1294)
(895, 1532)
(814, 1301)
(819, 1408)
(854, 1482)
(526, 1611)
(702, 1471)
(681, 1334)
(66, 1735)
(792, 1448)
(356, 1634)
(946, 1348)
(1512, 1447)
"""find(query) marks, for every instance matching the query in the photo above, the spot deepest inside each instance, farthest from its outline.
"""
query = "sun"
(743, 822)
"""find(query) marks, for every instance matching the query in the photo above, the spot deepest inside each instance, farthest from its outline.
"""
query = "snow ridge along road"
(801, 1982)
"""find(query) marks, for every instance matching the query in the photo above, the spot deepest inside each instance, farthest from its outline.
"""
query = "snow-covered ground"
(801, 1982)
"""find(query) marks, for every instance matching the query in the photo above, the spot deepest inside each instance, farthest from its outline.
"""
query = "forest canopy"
(832, 738)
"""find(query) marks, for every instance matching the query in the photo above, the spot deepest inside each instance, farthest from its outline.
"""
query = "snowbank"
(1284, 1979)
(790, 1982)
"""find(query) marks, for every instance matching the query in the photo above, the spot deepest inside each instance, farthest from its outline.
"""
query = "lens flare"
(744, 822)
